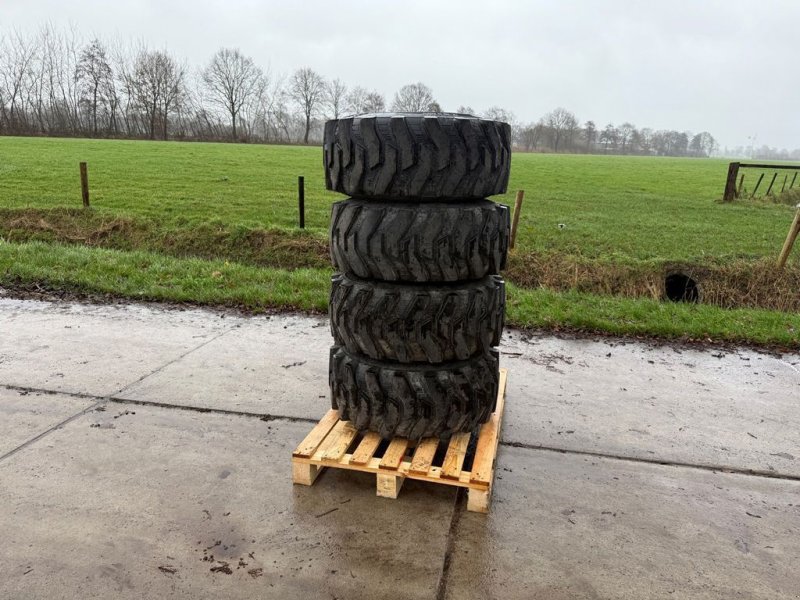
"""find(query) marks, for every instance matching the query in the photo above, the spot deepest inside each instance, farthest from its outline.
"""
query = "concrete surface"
(24, 414)
(146, 504)
(94, 350)
(129, 498)
(575, 527)
(738, 409)
(271, 365)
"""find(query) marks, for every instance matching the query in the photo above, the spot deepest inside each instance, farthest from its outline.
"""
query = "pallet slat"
(423, 456)
(456, 452)
(366, 449)
(488, 438)
(315, 437)
(394, 454)
(329, 442)
(345, 434)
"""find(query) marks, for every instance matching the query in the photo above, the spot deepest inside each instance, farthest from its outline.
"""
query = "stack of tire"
(417, 306)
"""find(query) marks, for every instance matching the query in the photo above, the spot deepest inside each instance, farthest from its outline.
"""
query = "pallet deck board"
(456, 453)
(366, 449)
(394, 453)
(423, 456)
(315, 437)
(333, 443)
(345, 434)
(329, 442)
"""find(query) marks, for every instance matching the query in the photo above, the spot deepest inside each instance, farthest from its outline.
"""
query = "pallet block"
(334, 443)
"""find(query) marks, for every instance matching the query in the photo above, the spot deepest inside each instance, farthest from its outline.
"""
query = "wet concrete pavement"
(626, 470)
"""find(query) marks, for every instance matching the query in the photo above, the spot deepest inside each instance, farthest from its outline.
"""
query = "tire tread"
(428, 242)
(417, 323)
(413, 401)
(416, 156)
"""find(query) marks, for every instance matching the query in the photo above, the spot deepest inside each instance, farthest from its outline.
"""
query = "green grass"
(176, 207)
(635, 208)
(542, 308)
(173, 182)
(151, 276)
(620, 208)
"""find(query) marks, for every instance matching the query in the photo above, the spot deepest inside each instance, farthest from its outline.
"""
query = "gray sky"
(724, 66)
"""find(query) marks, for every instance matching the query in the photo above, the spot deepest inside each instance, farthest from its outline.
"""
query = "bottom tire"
(413, 400)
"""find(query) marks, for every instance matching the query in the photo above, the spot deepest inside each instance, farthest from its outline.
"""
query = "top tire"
(417, 156)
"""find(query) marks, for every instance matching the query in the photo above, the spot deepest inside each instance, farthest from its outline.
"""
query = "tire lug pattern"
(417, 157)
(411, 400)
(423, 324)
(422, 243)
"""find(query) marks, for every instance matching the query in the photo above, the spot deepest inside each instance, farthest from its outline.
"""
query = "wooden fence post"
(730, 183)
(84, 185)
(794, 231)
(515, 222)
(301, 200)
(771, 183)
(741, 186)
(758, 183)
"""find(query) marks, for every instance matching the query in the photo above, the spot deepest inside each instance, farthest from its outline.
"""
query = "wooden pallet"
(336, 444)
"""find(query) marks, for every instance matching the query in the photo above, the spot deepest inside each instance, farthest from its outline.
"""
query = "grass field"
(611, 206)
(596, 234)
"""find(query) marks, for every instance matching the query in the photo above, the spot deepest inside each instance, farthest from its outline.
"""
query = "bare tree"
(113, 99)
(307, 89)
(626, 131)
(589, 135)
(157, 83)
(95, 77)
(374, 102)
(609, 137)
(58, 60)
(708, 144)
(232, 81)
(335, 97)
(562, 124)
(497, 113)
(16, 60)
(530, 136)
(635, 142)
(360, 101)
(645, 140)
(271, 100)
(415, 97)
(123, 59)
(356, 99)
(681, 143)
(282, 116)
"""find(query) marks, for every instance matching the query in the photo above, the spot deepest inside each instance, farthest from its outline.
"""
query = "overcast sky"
(728, 67)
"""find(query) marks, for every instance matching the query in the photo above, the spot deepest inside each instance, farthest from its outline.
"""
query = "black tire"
(417, 323)
(417, 156)
(396, 241)
(413, 401)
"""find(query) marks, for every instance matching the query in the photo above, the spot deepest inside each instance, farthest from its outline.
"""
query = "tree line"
(53, 82)
(560, 131)
(763, 152)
